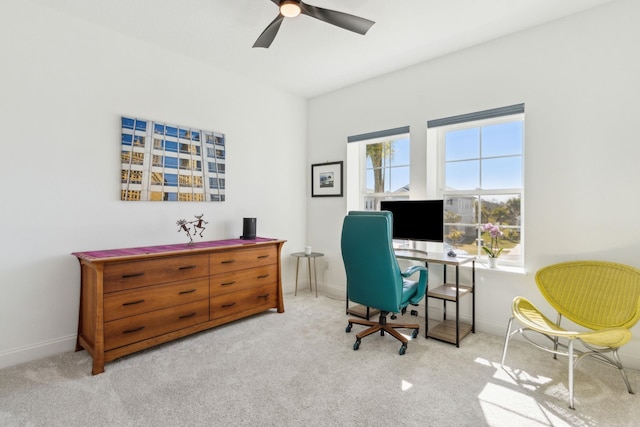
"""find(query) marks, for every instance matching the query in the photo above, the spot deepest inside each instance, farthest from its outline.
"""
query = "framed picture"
(166, 162)
(326, 179)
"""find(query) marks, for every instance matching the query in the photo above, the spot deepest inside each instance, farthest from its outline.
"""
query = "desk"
(448, 331)
(309, 257)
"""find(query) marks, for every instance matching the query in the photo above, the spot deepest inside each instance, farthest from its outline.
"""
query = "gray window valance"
(479, 115)
(378, 134)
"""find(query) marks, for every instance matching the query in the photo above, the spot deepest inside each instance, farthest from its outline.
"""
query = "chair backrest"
(593, 294)
(374, 277)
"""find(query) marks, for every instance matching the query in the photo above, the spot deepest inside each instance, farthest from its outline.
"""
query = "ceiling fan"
(293, 8)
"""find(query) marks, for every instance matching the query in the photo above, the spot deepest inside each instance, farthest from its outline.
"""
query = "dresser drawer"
(244, 279)
(119, 276)
(221, 262)
(150, 298)
(118, 333)
(236, 302)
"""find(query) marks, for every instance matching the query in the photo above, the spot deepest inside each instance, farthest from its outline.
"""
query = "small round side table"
(309, 257)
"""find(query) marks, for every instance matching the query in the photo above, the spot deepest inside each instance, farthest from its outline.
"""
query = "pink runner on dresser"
(147, 250)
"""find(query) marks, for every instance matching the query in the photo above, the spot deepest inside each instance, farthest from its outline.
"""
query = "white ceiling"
(310, 57)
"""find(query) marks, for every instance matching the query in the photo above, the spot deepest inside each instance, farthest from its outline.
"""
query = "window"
(129, 195)
(186, 164)
(171, 146)
(480, 177)
(382, 162)
(171, 131)
(156, 178)
(171, 179)
(171, 162)
(138, 141)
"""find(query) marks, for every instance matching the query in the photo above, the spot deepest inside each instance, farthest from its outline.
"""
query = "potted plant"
(493, 250)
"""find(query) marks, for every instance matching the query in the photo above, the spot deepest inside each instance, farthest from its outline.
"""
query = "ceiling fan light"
(289, 9)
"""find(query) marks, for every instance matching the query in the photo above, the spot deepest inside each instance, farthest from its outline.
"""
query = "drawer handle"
(186, 292)
(263, 256)
(264, 276)
(186, 316)
(187, 267)
(228, 305)
(231, 261)
(129, 276)
(265, 296)
(130, 331)
(227, 283)
(133, 302)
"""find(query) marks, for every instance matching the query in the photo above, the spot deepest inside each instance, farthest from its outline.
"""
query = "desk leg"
(457, 308)
(473, 297)
(426, 305)
(444, 301)
(297, 268)
(426, 317)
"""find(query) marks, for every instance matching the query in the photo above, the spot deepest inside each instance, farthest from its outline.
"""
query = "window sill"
(512, 269)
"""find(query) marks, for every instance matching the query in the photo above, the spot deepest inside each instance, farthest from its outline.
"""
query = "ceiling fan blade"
(340, 19)
(269, 33)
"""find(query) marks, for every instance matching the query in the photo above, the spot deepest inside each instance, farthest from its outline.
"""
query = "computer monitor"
(421, 220)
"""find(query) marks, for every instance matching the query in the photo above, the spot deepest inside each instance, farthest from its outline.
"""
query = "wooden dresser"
(135, 298)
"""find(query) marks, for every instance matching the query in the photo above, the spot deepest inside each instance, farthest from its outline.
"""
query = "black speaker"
(248, 229)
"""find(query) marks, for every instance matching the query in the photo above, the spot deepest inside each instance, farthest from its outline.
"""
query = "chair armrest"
(422, 281)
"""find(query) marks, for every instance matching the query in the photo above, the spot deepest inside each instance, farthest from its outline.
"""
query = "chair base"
(382, 326)
(574, 355)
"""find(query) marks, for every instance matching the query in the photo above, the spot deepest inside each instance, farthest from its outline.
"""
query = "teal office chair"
(374, 278)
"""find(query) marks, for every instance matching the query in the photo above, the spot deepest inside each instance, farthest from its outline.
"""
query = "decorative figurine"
(198, 224)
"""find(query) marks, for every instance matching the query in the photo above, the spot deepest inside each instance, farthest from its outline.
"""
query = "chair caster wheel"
(348, 329)
(414, 334)
(403, 350)
(356, 345)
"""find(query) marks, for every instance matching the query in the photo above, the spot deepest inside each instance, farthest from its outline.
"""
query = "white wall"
(578, 78)
(64, 84)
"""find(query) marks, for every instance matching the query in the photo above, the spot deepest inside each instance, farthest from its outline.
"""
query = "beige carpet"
(299, 368)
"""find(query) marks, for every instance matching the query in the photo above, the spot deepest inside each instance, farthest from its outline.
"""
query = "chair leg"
(362, 322)
(506, 342)
(622, 372)
(571, 364)
(374, 328)
(555, 338)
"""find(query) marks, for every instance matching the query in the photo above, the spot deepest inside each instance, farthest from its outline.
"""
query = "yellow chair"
(601, 297)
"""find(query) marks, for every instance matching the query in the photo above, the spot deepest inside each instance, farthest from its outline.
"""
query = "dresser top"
(110, 254)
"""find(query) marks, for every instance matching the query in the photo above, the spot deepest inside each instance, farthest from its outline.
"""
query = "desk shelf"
(448, 292)
(361, 311)
(446, 331)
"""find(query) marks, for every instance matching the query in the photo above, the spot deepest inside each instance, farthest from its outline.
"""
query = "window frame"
(479, 193)
(363, 195)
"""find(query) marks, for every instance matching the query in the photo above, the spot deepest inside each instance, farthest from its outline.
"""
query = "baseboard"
(36, 351)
